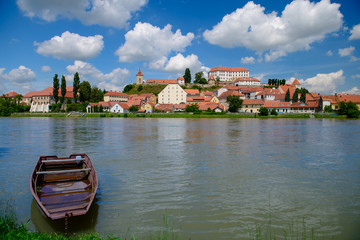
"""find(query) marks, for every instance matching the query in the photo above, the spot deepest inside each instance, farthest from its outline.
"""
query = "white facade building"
(229, 74)
(172, 94)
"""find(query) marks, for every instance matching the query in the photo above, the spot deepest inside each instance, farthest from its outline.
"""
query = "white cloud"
(21, 77)
(46, 69)
(300, 24)
(324, 82)
(355, 32)
(178, 64)
(148, 42)
(247, 60)
(329, 53)
(354, 90)
(344, 52)
(355, 76)
(71, 46)
(115, 80)
(111, 13)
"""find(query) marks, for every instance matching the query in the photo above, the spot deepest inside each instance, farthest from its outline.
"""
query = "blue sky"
(107, 41)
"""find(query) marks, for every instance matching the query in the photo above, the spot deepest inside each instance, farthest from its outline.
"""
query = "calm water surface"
(212, 178)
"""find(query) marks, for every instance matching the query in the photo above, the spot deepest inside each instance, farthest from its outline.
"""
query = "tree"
(139, 88)
(263, 111)
(96, 95)
(127, 88)
(274, 112)
(84, 91)
(63, 89)
(295, 97)
(217, 81)
(76, 86)
(187, 76)
(234, 103)
(192, 108)
(350, 109)
(56, 88)
(287, 96)
(303, 97)
(133, 108)
(198, 77)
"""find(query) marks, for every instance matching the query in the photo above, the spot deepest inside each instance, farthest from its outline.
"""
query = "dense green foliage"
(192, 108)
(187, 76)
(96, 95)
(133, 109)
(139, 88)
(287, 96)
(76, 86)
(9, 106)
(328, 109)
(84, 91)
(263, 111)
(274, 112)
(63, 89)
(56, 86)
(276, 82)
(295, 97)
(199, 78)
(349, 109)
(127, 88)
(234, 103)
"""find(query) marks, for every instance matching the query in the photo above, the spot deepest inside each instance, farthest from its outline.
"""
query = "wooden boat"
(64, 187)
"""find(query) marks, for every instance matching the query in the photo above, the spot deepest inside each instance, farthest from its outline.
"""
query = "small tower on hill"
(139, 77)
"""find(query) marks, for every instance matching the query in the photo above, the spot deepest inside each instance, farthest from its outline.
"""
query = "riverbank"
(176, 115)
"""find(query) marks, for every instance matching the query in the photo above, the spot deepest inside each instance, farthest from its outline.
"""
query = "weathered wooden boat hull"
(64, 187)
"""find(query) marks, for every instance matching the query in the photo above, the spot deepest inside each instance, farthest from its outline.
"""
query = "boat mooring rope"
(66, 224)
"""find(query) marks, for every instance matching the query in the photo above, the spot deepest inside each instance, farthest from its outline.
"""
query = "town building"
(116, 97)
(252, 105)
(228, 74)
(172, 94)
(247, 81)
(139, 77)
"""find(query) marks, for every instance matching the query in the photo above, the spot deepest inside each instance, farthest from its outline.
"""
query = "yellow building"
(172, 94)
(251, 105)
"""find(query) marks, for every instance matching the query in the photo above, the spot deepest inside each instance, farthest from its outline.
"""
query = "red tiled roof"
(49, 92)
(206, 105)
(136, 102)
(230, 93)
(211, 77)
(229, 69)
(253, 102)
(195, 99)
(165, 107)
(147, 95)
(180, 78)
(11, 94)
(139, 73)
(332, 98)
(192, 91)
(117, 94)
(295, 82)
(208, 93)
(349, 98)
(277, 104)
(179, 106)
(243, 79)
(161, 81)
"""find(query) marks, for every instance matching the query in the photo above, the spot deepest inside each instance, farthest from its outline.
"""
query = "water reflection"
(79, 224)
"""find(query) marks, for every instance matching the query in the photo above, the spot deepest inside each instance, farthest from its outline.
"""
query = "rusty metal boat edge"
(64, 187)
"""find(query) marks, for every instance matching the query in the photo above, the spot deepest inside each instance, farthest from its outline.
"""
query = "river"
(210, 178)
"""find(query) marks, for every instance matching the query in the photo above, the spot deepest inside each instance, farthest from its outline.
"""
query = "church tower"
(139, 77)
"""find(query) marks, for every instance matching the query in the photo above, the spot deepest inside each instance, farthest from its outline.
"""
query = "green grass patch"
(329, 116)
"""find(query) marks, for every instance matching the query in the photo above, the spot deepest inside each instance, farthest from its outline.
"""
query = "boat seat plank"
(69, 208)
(62, 160)
(85, 199)
(64, 171)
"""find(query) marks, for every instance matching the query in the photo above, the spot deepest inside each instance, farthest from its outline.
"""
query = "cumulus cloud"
(354, 90)
(324, 82)
(344, 52)
(355, 32)
(71, 46)
(148, 42)
(300, 24)
(46, 69)
(111, 13)
(329, 53)
(247, 60)
(115, 80)
(21, 77)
